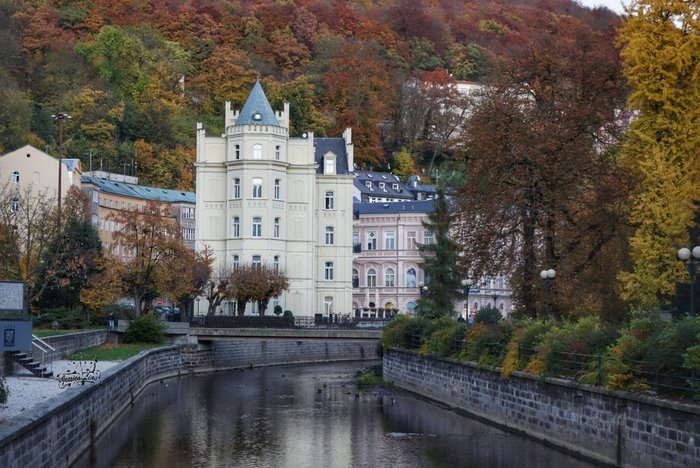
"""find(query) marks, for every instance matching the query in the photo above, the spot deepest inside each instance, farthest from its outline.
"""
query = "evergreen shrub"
(145, 329)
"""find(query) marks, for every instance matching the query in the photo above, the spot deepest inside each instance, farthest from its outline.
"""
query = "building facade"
(109, 194)
(265, 197)
(33, 169)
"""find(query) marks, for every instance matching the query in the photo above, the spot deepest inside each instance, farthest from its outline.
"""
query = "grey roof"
(257, 105)
(140, 191)
(335, 146)
(425, 206)
(361, 178)
(71, 164)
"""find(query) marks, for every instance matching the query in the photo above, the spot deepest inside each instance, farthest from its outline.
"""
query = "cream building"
(28, 167)
(264, 197)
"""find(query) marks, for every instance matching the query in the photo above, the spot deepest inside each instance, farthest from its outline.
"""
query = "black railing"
(230, 321)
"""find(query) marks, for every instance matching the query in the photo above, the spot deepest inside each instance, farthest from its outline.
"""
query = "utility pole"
(60, 117)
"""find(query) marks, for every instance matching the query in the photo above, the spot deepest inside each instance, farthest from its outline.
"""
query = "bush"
(278, 310)
(145, 329)
(446, 341)
(4, 391)
(486, 344)
(488, 316)
(288, 313)
(65, 318)
(409, 333)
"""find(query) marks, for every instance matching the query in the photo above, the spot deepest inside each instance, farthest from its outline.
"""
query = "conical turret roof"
(257, 109)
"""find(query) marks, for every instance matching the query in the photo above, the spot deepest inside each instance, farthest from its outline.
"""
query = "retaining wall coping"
(284, 333)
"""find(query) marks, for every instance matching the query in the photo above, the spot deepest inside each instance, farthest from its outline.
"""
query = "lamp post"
(466, 286)
(60, 117)
(690, 258)
(198, 304)
(547, 276)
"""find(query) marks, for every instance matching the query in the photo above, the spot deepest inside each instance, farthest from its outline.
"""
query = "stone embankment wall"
(612, 428)
(58, 432)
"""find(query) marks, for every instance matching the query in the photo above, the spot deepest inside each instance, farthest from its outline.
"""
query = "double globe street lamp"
(466, 286)
(548, 276)
(690, 258)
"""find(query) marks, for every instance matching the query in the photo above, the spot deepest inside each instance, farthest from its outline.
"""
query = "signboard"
(15, 335)
(11, 296)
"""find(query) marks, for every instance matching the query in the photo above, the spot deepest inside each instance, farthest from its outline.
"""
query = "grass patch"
(111, 352)
(371, 377)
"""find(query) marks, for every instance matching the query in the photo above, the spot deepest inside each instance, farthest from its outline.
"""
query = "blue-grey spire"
(257, 109)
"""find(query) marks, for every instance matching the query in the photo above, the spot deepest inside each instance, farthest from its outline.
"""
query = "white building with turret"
(265, 197)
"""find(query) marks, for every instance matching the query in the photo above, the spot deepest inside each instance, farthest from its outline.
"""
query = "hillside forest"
(579, 154)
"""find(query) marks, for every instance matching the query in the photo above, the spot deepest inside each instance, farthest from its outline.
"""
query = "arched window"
(257, 151)
(257, 188)
(389, 277)
(15, 177)
(371, 278)
(411, 278)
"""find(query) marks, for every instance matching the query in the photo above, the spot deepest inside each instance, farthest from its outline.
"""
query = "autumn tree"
(28, 224)
(258, 283)
(218, 287)
(542, 190)
(661, 58)
(148, 241)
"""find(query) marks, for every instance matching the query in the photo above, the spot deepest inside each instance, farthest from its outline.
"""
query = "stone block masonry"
(611, 428)
(60, 431)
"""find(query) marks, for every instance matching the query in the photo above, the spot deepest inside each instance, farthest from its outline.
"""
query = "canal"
(302, 416)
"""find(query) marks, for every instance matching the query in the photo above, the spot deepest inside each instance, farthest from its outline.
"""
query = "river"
(302, 416)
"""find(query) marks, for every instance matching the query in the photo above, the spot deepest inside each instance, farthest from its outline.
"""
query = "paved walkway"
(26, 390)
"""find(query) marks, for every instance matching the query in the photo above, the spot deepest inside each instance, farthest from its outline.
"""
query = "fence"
(231, 321)
(592, 369)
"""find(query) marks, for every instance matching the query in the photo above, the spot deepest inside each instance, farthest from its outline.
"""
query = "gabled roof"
(334, 145)
(140, 191)
(257, 109)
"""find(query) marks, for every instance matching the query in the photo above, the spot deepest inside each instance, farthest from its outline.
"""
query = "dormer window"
(368, 183)
(329, 166)
(395, 186)
(257, 116)
(382, 186)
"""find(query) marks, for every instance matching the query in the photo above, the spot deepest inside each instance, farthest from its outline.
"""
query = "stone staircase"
(26, 361)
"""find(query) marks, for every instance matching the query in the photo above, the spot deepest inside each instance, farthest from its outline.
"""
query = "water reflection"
(301, 416)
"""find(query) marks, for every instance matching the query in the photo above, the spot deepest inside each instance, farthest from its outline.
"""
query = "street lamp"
(466, 286)
(690, 258)
(60, 117)
(547, 276)
(198, 304)
(423, 289)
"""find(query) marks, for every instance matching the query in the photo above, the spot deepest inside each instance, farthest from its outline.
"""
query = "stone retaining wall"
(58, 432)
(612, 428)
(70, 343)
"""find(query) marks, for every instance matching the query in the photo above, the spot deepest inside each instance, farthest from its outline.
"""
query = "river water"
(302, 416)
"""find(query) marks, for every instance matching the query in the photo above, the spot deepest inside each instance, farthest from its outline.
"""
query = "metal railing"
(45, 348)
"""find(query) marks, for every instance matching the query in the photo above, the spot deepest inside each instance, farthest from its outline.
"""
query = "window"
(14, 205)
(257, 188)
(329, 166)
(188, 233)
(389, 240)
(277, 189)
(329, 200)
(411, 278)
(428, 237)
(389, 277)
(257, 226)
(276, 263)
(278, 152)
(411, 240)
(356, 246)
(257, 151)
(236, 188)
(257, 261)
(382, 186)
(237, 151)
(395, 186)
(236, 261)
(355, 279)
(276, 228)
(187, 213)
(371, 278)
(328, 304)
(329, 271)
(236, 226)
(15, 177)
(329, 235)
(372, 240)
